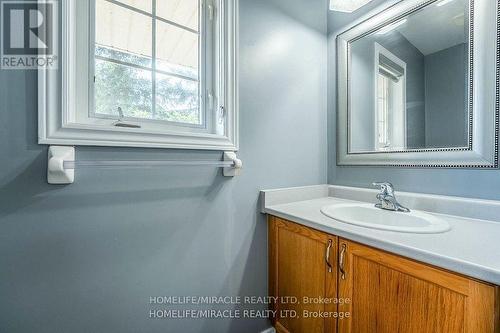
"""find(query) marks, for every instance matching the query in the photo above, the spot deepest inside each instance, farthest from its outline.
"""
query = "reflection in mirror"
(409, 82)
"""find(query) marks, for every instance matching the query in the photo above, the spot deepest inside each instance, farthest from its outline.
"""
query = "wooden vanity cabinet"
(390, 293)
(299, 259)
(387, 293)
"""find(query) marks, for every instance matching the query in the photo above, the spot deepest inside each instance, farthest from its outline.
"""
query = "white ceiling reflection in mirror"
(347, 6)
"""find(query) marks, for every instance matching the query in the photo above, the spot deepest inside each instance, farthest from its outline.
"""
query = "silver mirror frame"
(484, 78)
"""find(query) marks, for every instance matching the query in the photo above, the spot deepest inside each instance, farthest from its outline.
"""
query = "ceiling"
(437, 28)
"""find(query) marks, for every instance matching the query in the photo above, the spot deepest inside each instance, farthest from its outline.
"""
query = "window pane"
(123, 30)
(183, 12)
(125, 37)
(108, 53)
(122, 86)
(144, 5)
(176, 50)
(177, 100)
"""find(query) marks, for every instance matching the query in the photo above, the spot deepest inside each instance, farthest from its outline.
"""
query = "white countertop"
(471, 247)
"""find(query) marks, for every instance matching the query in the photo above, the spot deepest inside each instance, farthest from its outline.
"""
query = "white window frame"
(380, 50)
(63, 96)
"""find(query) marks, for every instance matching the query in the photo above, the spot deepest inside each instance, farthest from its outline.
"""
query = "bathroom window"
(147, 73)
(390, 92)
(153, 71)
(383, 92)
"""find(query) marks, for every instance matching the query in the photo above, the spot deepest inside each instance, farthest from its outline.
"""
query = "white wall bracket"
(56, 173)
(235, 170)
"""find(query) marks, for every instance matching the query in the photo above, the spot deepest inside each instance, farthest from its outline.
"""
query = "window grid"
(153, 69)
(159, 18)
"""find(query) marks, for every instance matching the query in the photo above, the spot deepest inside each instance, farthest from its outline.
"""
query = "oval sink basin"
(367, 215)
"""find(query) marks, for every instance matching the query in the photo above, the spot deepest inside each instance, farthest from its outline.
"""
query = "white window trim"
(379, 49)
(58, 98)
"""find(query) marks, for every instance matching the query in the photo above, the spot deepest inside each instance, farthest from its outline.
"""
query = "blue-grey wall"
(446, 97)
(87, 257)
(363, 85)
(469, 183)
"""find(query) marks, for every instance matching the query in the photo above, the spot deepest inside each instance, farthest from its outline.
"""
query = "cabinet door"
(298, 267)
(390, 294)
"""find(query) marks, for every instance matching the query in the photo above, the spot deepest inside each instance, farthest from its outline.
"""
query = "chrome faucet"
(388, 198)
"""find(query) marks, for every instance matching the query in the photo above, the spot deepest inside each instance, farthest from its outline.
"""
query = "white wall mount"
(62, 164)
(56, 173)
(235, 170)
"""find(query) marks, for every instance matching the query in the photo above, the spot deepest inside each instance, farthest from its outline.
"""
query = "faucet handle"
(385, 187)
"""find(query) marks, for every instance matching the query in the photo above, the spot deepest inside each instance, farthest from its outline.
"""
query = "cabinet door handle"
(342, 261)
(327, 255)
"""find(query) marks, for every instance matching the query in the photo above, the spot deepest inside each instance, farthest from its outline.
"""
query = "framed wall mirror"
(418, 86)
